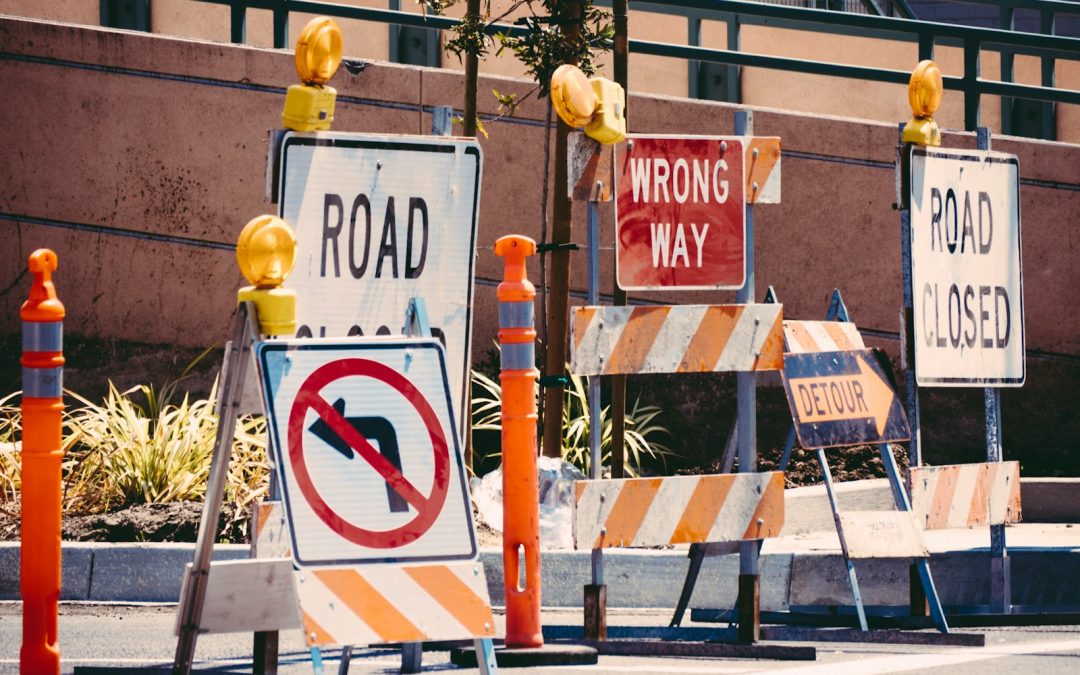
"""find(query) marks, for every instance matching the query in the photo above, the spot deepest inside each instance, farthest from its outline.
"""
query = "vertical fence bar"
(971, 84)
(734, 72)
(238, 22)
(1047, 108)
(1007, 21)
(281, 25)
(693, 68)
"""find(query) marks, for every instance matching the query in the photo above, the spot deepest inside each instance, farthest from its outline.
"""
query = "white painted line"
(609, 668)
(899, 663)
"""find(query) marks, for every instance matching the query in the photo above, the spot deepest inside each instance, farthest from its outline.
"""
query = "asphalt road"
(134, 636)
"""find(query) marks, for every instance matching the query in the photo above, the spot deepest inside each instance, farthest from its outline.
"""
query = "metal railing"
(736, 13)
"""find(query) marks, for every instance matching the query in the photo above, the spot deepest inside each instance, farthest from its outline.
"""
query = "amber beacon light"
(309, 106)
(598, 105)
(924, 95)
(266, 253)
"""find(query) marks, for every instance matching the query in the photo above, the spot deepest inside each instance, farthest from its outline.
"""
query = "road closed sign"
(366, 448)
(967, 284)
(680, 214)
(380, 220)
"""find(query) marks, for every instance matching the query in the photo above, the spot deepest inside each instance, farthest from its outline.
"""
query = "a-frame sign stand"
(838, 312)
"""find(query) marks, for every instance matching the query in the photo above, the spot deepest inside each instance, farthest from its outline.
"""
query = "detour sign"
(843, 398)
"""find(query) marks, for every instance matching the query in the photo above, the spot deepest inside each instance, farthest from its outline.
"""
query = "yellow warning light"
(266, 253)
(572, 95)
(318, 51)
(310, 106)
(598, 105)
(924, 95)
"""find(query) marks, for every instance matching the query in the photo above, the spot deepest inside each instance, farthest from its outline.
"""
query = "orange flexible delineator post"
(521, 504)
(42, 409)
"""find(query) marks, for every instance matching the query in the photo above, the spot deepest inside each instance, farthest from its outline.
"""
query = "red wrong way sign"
(366, 450)
(680, 214)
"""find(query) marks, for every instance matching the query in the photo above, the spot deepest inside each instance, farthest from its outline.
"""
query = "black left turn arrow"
(379, 432)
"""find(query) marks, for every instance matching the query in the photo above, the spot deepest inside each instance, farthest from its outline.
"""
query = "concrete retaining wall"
(139, 157)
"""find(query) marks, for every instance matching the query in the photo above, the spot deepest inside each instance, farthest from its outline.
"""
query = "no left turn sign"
(366, 449)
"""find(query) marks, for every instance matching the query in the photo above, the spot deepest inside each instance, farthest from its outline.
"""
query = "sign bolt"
(755, 182)
(754, 154)
(723, 145)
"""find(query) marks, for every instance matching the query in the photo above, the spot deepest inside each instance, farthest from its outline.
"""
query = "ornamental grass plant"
(137, 447)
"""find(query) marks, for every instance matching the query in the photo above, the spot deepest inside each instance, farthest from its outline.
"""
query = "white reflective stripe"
(666, 511)
(43, 337)
(517, 355)
(516, 314)
(674, 338)
(43, 382)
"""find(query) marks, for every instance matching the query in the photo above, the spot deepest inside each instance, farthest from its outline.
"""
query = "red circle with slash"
(427, 506)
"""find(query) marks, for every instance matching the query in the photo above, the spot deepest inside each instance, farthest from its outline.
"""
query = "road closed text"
(959, 316)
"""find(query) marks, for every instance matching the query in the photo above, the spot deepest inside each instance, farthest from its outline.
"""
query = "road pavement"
(137, 637)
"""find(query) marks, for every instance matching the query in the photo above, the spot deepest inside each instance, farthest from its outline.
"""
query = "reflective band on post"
(43, 382)
(43, 337)
(518, 355)
(515, 315)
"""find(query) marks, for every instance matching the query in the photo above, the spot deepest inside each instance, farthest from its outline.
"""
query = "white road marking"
(899, 663)
(609, 668)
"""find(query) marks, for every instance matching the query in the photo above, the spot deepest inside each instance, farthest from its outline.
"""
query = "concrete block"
(75, 564)
(645, 578)
(147, 573)
(1050, 500)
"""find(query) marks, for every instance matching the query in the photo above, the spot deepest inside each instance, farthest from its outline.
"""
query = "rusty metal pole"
(559, 306)
(618, 382)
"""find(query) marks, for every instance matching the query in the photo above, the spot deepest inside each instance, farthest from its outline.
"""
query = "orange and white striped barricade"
(672, 339)
(632, 512)
(966, 495)
(676, 339)
(972, 495)
(801, 337)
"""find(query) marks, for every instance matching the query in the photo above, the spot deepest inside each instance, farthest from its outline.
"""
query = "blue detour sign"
(843, 398)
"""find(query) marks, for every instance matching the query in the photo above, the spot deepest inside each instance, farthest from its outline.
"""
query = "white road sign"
(965, 265)
(379, 220)
(366, 448)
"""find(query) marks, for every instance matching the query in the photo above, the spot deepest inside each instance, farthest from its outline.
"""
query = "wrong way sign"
(967, 283)
(366, 447)
(680, 214)
(380, 220)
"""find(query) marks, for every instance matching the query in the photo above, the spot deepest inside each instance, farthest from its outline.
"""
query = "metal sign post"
(962, 267)
(1000, 577)
(749, 601)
